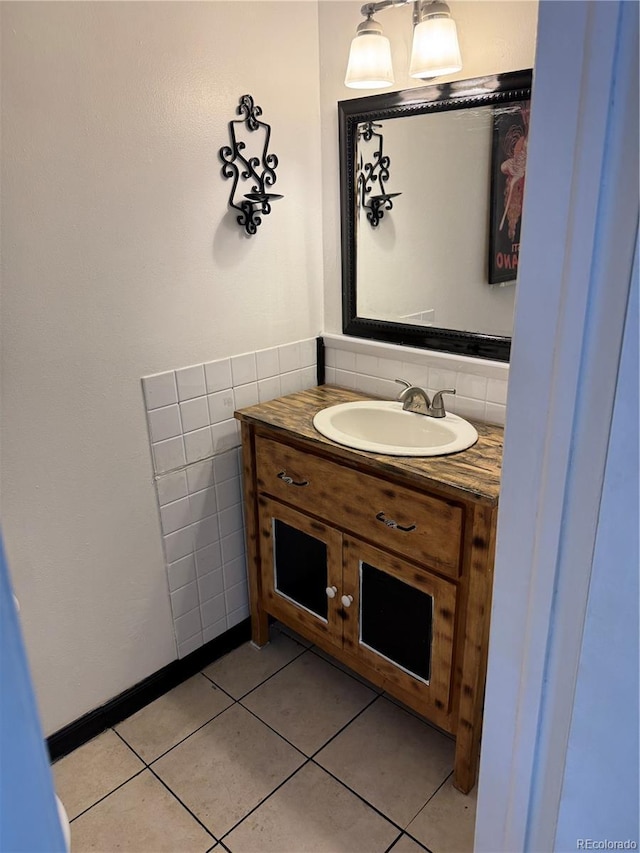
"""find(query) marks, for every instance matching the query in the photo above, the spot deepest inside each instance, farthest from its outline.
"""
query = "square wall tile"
(237, 596)
(190, 645)
(169, 454)
(267, 362)
(344, 360)
(268, 389)
(290, 357)
(469, 385)
(213, 610)
(164, 423)
(246, 395)
(233, 546)
(175, 515)
(208, 559)
(181, 572)
(178, 544)
(205, 532)
(291, 382)
(221, 406)
(244, 369)
(203, 504)
(211, 585)
(194, 414)
(237, 616)
(218, 375)
(191, 382)
(230, 520)
(235, 572)
(200, 476)
(171, 487)
(309, 377)
(226, 465)
(160, 390)
(466, 407)
(308, 353)
(497, 391)
(188, 625)
(228, 493)
(198, 444)
(213, 631)
(496, 414)
(184, 599)
(225, 435)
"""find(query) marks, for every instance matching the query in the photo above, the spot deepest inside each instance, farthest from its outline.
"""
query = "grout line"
(173, 794)
(359, 796)
(180, 742)
(393, 843)
(121, 785)
(339, 732)
(269, 795)
(284, 666)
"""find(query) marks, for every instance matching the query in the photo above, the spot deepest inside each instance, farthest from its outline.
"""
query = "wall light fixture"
(435, 49)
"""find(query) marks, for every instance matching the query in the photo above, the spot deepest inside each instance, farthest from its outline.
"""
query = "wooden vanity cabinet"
(386, 572)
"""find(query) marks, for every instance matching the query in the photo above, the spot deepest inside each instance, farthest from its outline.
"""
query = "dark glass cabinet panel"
(300, 563)
(396, 620)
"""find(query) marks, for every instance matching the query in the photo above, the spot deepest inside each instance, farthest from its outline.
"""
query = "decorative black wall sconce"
(261, 170)
(370, 173)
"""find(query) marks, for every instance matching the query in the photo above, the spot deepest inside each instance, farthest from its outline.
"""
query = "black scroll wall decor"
(259, 171)
(374, 173)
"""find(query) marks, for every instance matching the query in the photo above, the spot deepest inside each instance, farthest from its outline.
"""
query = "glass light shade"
(369, 62)
(435, 48)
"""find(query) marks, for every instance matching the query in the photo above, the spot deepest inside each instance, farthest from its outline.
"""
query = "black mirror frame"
(460, 94)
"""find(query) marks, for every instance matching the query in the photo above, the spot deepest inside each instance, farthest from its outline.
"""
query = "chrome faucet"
(416, 399)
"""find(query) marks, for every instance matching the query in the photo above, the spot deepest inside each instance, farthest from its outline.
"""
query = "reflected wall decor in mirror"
(439, 269)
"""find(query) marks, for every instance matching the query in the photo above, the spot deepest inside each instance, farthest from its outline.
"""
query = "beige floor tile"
(92, 771)
(225, 769)
(447, 823)
(246, 667)
(391, 758)
(326, 656)
(312, 813)
(172, 717)
(140, 816)
(308, 701)
(406, 845)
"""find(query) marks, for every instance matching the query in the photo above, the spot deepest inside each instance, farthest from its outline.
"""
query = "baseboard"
(72, 736)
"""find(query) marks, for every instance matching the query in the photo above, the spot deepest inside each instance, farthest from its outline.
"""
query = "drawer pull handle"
(394, 524)
(331, 591)
(290, 481)
(346, 600)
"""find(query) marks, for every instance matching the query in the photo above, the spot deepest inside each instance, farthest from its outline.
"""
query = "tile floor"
(279, 750)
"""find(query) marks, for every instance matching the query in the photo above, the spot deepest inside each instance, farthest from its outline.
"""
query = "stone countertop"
(475, 472)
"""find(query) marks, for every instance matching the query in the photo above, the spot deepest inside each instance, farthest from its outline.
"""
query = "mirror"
(431, 183)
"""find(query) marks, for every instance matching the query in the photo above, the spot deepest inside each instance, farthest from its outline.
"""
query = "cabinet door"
(301, 566)
(400, 622)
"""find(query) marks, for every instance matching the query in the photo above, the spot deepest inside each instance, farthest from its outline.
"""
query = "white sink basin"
(381, 426)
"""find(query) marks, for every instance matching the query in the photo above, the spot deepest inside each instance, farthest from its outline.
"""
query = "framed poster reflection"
(508, 171)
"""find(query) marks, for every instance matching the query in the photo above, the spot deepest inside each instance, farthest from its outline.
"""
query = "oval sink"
(381, 426)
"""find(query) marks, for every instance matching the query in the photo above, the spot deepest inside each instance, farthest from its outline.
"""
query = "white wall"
(118, 261)
(494, 37)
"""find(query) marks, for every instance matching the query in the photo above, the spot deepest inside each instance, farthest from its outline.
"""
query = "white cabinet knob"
(331, 591)
(346, 600)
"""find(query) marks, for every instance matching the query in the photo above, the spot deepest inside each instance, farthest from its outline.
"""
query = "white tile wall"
(371, 367)
(195, 443)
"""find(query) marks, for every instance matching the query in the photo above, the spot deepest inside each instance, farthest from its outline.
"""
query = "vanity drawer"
(396, 517)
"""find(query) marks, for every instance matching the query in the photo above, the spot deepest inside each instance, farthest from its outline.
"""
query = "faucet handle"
(437, 405)
(403, 382)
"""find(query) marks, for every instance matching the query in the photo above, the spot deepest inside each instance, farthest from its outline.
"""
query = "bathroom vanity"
(385, 562)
